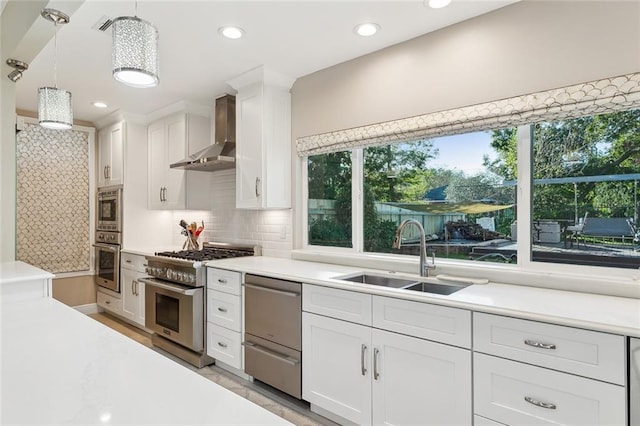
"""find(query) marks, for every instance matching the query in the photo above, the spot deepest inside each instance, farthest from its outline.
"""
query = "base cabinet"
(336, 367)
(371, 376)
(132, 295)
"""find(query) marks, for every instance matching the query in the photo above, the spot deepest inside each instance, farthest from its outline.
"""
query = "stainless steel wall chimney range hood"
(222, 154)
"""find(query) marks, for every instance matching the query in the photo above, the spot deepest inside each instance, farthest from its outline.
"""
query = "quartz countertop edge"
(610, 314)
(17, 271)
(62, 367)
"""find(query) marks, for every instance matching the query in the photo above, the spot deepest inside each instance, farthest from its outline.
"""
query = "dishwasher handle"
(272, 354)
(272, 290)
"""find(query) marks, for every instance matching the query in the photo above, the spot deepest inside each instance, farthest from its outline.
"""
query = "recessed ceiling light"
(366, 30)
(99, 104)
(231, 32)
(438, 4)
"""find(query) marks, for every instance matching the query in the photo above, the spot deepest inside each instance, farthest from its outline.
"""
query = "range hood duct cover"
(222, 154)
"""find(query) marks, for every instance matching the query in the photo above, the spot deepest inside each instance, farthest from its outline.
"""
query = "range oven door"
(108, 266)
(175, 312)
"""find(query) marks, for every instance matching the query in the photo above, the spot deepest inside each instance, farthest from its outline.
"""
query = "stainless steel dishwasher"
(273, 332)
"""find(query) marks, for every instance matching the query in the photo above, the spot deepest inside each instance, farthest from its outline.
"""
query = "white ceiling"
(292, 37)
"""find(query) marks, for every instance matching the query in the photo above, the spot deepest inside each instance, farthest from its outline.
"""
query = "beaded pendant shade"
(55, 110)
(135, 52)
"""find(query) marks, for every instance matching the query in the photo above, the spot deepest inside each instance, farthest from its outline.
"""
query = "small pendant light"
(54, 105)
(135, 51)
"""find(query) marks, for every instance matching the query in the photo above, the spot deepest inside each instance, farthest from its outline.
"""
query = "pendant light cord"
(55, 54)
(136, 10)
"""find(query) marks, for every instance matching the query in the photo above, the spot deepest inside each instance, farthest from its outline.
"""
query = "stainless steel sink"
(380, 280)
(424, 285)
(445, 289)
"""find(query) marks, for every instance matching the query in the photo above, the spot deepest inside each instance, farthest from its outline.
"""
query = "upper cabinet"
(170, 140)
(263, 134)
(110, 155)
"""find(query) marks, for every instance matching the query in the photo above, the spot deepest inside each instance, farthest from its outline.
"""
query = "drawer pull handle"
(273, 354)
(363, 369)
(222, 281)
(547, 405)
(375, 363)
(222, 345)
(222, 309)
(539, 344)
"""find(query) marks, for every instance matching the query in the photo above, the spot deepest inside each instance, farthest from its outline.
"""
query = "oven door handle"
(273, 354)
(188, 292)
(107, 247)
(272, 290)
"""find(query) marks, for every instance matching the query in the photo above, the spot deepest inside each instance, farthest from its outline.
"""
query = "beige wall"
(526, 47)
(75, 291)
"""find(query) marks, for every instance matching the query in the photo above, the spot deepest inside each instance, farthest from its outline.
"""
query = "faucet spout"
(397, 243)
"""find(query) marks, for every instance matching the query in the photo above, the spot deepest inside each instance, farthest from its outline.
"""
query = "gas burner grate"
(207, 253)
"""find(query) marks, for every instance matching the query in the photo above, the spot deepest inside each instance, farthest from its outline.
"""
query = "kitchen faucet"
(424, 266)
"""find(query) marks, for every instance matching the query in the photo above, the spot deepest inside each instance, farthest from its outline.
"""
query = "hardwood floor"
(297, 412)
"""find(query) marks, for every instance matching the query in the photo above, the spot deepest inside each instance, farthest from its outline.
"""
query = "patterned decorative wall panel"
(52, 199)
(596, 97)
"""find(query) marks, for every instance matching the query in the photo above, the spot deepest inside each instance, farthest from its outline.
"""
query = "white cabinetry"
(109, 302)
(263, 133)
(528, 372)
(133, 268)
(371, 376)
(110, 155)
(170, 140)
(224, 317)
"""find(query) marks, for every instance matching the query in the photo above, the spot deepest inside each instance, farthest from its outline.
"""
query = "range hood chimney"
(222, 154)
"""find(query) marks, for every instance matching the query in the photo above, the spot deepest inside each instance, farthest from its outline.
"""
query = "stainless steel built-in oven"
(109, 209)
(107, 250)
(175, 312)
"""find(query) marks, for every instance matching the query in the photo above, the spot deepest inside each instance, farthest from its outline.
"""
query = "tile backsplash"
(270, 229)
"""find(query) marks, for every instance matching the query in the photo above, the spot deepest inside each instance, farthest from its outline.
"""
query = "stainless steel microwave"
(109, 209)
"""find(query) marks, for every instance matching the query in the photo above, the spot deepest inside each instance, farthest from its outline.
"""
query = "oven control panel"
(171, 274)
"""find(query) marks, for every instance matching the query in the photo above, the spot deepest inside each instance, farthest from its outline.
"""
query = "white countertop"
(62, 367)
(610, 314)
(17, 271)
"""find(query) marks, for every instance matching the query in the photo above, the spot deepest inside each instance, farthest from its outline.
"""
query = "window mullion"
(357, 202)
(524, 194)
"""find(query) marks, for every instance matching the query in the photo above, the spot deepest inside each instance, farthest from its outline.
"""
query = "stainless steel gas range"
(175, 298)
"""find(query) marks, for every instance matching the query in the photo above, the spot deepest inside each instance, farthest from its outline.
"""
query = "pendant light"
(135, 51)
(54, 105)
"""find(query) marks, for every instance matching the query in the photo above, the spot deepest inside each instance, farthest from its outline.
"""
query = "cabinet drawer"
(108, 302)
(424, 320)
(514, 393)
(341, 304)
(226, 281)
(136, 262)
(223, 309)
(224, 345)
(583, 352)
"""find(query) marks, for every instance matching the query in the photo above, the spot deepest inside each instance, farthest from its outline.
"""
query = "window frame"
(525, 263)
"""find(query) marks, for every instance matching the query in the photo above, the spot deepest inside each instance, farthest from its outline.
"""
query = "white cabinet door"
(174, 197)
(263, 132)
(170, 140)
(132, 295)
(249, 175)
(110, 155)
(158, 161)
(336, 367)
(416, 381)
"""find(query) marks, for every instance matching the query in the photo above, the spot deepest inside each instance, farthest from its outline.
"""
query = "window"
(585, 190)
(329, 199)
(462, 189)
